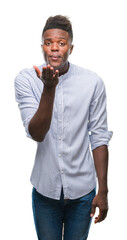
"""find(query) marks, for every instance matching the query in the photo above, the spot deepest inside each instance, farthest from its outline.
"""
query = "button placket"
(60, 130)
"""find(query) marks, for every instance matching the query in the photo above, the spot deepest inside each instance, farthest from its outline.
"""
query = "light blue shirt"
(79, 124)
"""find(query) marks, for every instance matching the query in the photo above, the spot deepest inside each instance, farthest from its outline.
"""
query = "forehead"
(56, 33)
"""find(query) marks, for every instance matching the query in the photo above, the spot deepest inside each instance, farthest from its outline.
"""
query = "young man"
(63, 108)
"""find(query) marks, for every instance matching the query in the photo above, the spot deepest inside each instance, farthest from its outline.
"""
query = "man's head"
(59, 22)
(57, 39)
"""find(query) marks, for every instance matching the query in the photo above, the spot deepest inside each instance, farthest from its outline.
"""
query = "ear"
(71, 48)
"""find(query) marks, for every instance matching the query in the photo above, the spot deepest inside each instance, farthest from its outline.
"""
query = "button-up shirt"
(78, 125)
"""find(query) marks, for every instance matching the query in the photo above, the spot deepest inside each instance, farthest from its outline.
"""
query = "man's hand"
(48, 76)
(100, 201)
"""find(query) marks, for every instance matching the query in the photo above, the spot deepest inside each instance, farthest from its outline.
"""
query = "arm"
(100, 155)
(40, 123)
(99, 138)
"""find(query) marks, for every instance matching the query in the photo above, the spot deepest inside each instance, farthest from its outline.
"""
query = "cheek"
(45, 50)
(66, 53)
(45, 53)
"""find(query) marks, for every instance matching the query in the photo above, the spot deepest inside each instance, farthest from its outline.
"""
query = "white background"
(100, 41)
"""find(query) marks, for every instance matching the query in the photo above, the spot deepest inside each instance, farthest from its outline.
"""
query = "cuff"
(100, 139)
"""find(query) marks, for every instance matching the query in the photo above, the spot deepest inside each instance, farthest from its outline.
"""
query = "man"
(63, 108)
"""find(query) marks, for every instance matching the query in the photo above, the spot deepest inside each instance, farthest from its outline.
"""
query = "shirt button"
(59, 155)
(59, 120)
(61, 172)
(59, 138)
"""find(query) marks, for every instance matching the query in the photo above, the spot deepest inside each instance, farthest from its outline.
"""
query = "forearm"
(100, 155)
(40, 123)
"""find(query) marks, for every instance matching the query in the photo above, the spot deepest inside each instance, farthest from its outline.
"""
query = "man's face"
(56, 48)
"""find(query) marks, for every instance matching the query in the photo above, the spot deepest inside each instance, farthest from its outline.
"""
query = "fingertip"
(35, 67)
(38, 72)
(57, 72)
(96, 220)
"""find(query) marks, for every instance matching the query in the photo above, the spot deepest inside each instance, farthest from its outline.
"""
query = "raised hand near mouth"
(49, 76)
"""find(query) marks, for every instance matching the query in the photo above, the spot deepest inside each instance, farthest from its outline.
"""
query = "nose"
(54, 47)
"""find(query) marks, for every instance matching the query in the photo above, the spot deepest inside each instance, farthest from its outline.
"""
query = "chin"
(55, 66)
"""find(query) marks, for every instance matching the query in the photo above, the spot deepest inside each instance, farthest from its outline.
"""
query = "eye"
(62, 44)
(47, 43)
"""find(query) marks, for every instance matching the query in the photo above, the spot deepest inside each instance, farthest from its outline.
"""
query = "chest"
(72, 98)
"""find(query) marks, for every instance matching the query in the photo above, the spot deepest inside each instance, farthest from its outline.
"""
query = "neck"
(63, 69)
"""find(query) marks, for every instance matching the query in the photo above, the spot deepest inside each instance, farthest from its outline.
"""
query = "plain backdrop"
(100, 44)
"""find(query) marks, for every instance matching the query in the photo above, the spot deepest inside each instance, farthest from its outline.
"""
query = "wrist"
(49, 84)
(49, 89)
(103, 185)
(103, 191)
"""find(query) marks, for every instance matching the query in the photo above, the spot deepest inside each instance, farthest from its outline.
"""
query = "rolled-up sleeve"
(27, 102)
(97, 126)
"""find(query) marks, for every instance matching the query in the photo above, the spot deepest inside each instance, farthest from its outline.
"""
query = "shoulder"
(26, 77)
(87, 75)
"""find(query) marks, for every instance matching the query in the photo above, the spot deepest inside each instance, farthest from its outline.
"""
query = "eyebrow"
(49, 39)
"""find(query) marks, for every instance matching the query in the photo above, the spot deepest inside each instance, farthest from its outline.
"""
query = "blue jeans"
(50, 214)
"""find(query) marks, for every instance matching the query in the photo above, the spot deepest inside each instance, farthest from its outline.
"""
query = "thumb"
(93, 209)
(38, 72)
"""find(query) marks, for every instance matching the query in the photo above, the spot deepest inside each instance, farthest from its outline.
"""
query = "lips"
(54, 57)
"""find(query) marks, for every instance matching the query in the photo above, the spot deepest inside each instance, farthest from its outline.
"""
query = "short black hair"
(60, 22)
